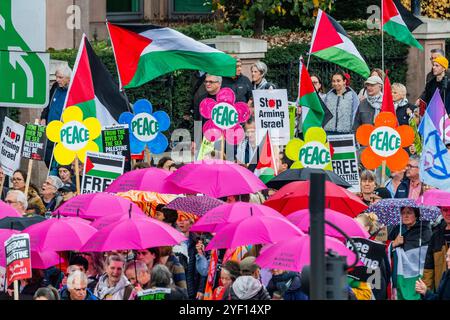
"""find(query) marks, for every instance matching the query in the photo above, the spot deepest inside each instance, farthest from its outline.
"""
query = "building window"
(191, 7)
(124, 10)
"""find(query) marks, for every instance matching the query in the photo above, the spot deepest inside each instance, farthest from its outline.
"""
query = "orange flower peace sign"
(385, 141)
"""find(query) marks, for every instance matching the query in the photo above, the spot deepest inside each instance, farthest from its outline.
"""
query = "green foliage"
(200, 31)
(354, 9)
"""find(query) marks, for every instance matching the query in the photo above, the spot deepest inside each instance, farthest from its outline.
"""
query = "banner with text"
(100, 170)
(11, 142)
(34, 143)
(116, 140)
(272, 113)
(18, 257)
(344, 159)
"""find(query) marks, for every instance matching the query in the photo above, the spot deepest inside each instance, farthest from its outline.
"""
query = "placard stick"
(383, 173)
(2, 182)
(133, 163)
(16, 290)
(222, 148)
(148, 155)
(77, 175)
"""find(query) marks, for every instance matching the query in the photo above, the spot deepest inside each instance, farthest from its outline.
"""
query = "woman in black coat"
(443, 291)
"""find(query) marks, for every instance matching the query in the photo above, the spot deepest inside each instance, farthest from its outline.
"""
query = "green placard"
(34, 143)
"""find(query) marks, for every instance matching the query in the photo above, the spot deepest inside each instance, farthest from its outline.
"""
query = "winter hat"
(442, 61)
(374, 80)
(248, 265)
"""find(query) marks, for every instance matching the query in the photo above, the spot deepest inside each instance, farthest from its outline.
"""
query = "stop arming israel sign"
(11, 142)
(272, 114)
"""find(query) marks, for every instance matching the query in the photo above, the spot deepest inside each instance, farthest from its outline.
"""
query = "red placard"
(18, 257)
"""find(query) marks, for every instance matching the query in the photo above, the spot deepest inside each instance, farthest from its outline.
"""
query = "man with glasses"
(17, 200)
(412, 173)
(212, 85)
(67, 191)
(77, 288)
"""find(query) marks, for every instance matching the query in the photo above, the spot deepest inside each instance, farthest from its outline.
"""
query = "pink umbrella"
(149, 179)
(96, 205)
(435, 197)
(293, 253)
(45, 259)
(253, 230)
(5, 234)
(7, 211)
(105, 221)
(351, 227)
(59, 234)
(215, 178)
(131, 234)
(217, 218)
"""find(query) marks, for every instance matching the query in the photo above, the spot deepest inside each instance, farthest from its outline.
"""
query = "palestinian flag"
(409, 266)
(145, 52)
(103, 168)
(388, 102)
(264, 159)
(93, 89)
(400, 23)
(308, 99)
(330, 42)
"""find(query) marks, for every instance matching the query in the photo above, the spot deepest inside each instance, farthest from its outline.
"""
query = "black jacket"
(444, 89)
(288, 284)
(402, 115)
(443, 291)
(241, 86)
(412, 236)
(44, 113)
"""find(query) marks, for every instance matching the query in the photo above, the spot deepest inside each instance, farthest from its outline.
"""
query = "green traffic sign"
(24, 80)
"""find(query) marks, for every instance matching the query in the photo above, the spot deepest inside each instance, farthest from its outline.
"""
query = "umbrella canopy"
(59, 234)
(295, 196)
(253, 230)
(7, 211)
(435, 197)
(148, 179)
(45, 259)
(20, 223)
(105, 221)
(133, 234)
(304, 174)
(351, 227)
(215, 178)
(147, 201)
(197, 205)
(219, 217)
(294, 253)
(92, 206)
(388, 210)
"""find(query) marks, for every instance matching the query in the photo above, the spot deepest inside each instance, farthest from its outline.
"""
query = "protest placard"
(100, 170)
(344, 159)
(18, 257)
(11, 142)
(116, 140)
(272, 114)
(371, 253)
(34, 142)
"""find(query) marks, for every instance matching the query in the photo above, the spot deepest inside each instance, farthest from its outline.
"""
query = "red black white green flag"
(145, 52)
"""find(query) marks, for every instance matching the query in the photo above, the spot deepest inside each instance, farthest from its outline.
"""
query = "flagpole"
(382, 37)
(77, 175)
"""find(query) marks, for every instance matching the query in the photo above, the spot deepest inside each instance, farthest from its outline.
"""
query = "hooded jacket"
(435, 264)
(343, 110)
(121, 291)
(288, 284)
(65, 294)
(248, 288)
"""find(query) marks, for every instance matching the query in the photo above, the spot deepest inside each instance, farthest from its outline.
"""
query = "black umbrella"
(304, 174)
(20, 223)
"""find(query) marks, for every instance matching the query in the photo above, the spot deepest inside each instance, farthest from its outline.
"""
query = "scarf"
(104, 292)
(260, 85)
(400, 103)
(375, 102)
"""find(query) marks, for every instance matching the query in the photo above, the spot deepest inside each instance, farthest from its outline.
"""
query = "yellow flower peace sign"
(74, 136)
